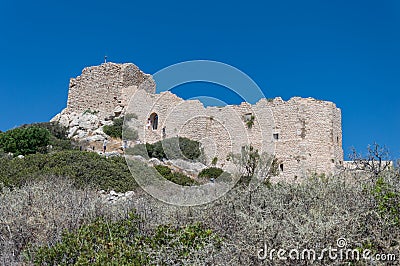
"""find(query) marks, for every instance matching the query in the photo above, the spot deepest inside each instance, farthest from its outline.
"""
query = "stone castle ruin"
(304, 134)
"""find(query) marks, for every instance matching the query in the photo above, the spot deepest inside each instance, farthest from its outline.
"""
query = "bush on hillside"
(115, 130)
(59, 136)
(123, 243)
(172, 148)
(212, 172)
(83, 168)
(55, 129)
(41, 213)
(387, 198)
(175, 177)
(313, 213)
(23, 141)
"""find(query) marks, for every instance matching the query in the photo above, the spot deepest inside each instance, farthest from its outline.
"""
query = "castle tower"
(106, 89)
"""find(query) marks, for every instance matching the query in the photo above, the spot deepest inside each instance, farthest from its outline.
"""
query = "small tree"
(251, 163)
(250, 122)
(375, 161)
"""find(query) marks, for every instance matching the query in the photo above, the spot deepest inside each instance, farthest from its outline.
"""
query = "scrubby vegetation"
(52, 214)
(172, 148)
(212, 172)
(251, 164)
(387, 197)
(50, 222)
(177, 178)
(58, 136)
(35, 138)
(83, 168)
(311, 214)
(124, 243)
(22, 141)
(117, 128)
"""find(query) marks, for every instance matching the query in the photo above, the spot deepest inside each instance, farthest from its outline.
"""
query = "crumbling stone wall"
(304, 133)
(105, 89)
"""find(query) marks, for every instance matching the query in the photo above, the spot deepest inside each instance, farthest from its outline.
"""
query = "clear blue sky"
(343, 51)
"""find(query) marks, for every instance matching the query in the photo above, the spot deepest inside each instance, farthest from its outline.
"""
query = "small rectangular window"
(276, 136)
(281, 167)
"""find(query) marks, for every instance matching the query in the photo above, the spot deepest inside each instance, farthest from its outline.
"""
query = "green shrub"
(57, 140)
(175, 177)
(156, 150)
(172, 148)
(98, 243)
(182, 179)
(106, 242)
(28, 140)
(84, 168)
(250, 122)
(115, 130)
(388, 201)
(212, 172)
(190, 148)
(55, 129)
(58, 135)
(163, 170)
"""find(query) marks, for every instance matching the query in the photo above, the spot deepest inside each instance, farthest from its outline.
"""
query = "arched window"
(154, 121)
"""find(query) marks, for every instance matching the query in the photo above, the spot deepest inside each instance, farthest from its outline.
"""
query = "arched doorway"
(154, 121)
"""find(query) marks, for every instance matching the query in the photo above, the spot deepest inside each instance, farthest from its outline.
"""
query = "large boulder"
(89, 121)
(85, 121)
(64, 120)
(118, 110)
(154, 161)
(100, 131)
(72, 131)
(192, 167)
(80, 134)
(95, 138)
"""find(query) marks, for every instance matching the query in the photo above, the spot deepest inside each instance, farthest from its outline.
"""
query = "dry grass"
(313, 214)
(38, 213)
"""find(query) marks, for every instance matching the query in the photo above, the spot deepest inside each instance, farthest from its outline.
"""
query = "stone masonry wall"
(308, 131)
(304, 134)
(106, 88)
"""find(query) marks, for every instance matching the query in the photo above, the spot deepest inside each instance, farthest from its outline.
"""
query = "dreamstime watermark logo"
(338, 253)
(164, 116)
